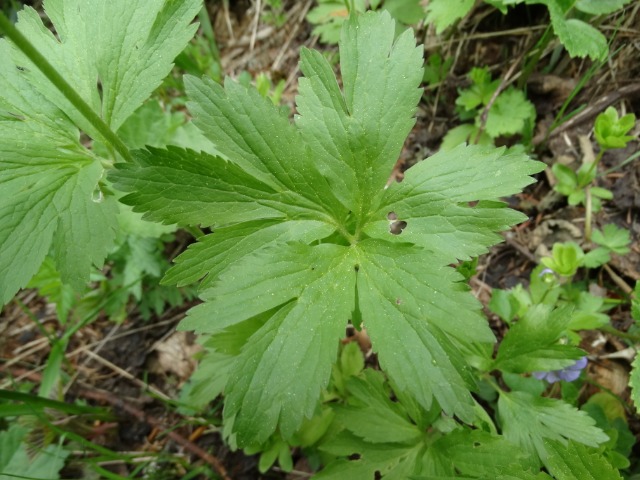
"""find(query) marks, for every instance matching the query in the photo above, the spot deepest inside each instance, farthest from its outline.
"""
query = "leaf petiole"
(25, 46)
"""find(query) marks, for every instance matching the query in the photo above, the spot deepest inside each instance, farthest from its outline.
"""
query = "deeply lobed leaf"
(316, 250)
(53, 194)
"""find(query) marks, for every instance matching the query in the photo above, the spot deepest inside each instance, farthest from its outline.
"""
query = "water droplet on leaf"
(97, 196)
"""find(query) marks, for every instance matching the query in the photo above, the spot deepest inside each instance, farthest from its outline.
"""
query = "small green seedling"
(274, 13)
(264, 85)
(573, 185)
(436, 69)
(509, 114)
(610, 132)
(565, 259)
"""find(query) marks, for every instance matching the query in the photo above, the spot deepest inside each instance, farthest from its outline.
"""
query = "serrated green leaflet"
(252, 133)
(578, 37)
(53, 200)
(529, 421)
(182, 186)
(293, 209)
(127, 46)
(356, 136)
(46, 178)
(634, 378)
(443, 13)
(476, 454)
(279, 374)
(372, 416)
(391, 461)
(385, 440)
(214, 252)
(401, 303)
(574, 461)
(17, 461)
(434, 200)
(532, 344)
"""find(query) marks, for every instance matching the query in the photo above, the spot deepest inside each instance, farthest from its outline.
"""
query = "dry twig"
(106, 397)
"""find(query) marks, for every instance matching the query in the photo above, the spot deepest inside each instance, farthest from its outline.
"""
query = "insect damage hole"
(395, 226)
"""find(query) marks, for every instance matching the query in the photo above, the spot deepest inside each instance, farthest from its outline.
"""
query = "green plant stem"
(618, 333)
(588, 213)
(588, 199)
(26, 47)
(492, 382)
(596, 161)
(196, 232)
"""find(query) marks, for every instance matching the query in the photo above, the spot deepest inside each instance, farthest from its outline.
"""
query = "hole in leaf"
(477, 444)
(397, 227)
(398, 301)
(354, 456)
(392, 216)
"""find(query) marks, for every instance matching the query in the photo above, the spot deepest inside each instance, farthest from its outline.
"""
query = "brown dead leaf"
(611, 375)
(174, 355)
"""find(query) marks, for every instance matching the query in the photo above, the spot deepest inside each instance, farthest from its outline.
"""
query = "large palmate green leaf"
(114, 54)
(301, 240)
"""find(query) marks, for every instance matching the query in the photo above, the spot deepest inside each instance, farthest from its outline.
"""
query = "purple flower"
(568, 374)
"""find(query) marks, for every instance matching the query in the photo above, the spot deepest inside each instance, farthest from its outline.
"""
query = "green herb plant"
(553, 285)
(436, 69)
(264, 85)
(508, 114)
(274, 13)
(610, 132)
(552, 282)
(307, 239)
